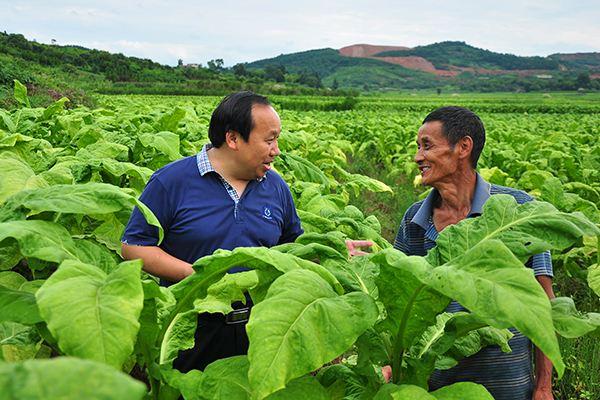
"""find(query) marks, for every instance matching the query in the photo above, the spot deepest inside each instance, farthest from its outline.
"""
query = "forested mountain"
(446, 64)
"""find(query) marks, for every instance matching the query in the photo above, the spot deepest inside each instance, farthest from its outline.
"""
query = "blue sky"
(242, 31)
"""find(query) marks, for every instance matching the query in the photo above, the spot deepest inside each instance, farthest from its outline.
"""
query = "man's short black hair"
(458, 122)
(234, 113)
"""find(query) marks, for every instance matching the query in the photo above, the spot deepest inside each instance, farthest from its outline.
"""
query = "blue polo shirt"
(507, 376)
(200, 212)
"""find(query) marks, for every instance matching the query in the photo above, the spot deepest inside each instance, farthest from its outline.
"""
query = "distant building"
(544, 76)
(192, 66)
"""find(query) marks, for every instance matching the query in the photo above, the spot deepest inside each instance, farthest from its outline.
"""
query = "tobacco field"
(76, 321)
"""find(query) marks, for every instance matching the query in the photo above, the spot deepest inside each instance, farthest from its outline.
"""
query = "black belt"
(237, 316)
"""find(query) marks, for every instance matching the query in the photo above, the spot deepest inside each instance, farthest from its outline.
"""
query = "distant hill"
(53, 71)
(445, 64)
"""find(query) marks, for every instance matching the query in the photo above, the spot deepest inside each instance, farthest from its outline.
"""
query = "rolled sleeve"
(541, 264)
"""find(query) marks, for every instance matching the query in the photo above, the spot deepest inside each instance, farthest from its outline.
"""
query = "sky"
(245, 31)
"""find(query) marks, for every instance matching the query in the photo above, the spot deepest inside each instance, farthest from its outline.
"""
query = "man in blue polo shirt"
(449, 144)
(224, 197)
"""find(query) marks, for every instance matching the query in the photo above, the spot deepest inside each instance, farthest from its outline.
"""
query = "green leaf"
(229, 289)
(170, 121)
(305, 387)
(288, 334)
(314, 222)
(215, 265)
(18, 306)
(493, 284)
(43, 240)
(67, 378)
(188, 384)
(14, 176)
(179, 336)
(301, 169)
(462, 391)
(91, 314)
(411, 306)
(18, 342)
(594, 278)
(165, 142)
(225, 379)
(109, 233)
(570, 323)
(12, 280)
(89, 198)
(52, 109)
(402, 392)
(20, 94)
(525, 229)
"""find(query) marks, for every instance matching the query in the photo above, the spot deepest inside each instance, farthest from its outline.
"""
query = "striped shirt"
(507, 376)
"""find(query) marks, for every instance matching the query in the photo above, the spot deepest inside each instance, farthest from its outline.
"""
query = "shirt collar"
(425, 212)
(204, 165)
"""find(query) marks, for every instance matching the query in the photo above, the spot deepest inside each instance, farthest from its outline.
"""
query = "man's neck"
(225, 165)
(456, 195)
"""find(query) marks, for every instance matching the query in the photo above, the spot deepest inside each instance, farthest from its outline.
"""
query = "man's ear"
(232, 139)
(465, 146)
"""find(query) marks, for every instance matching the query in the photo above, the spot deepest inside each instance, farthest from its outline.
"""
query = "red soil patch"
(367, 50)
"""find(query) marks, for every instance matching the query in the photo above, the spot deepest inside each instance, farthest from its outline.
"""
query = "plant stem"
(398, 348)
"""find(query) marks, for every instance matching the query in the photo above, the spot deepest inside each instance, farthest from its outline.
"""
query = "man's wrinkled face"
(436, 157)
(259, 152)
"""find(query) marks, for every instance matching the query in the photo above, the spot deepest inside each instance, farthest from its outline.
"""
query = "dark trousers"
(214, 339)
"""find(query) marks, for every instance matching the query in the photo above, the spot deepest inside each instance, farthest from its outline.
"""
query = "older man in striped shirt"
(449, 144)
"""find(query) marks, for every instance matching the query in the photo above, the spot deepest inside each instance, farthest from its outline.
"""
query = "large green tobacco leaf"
(165, 142)
(49, 241)
(11, 279)
(594, 278)
(169, 121)
(20, 94)
(302, 324)
(210, 269)
(462, 391)
(302, 169)
(55, 108)
(228, 379)
(305, 387)
(66, 378)
(178, 336)
(411, 306)
(18, 342)
(525, 229)
(43, 240)
(229, 289)
(16, 175)
(18, 306)
(89, 198)
(315, 223)
(569, 322)
(457, 391)
(91, 314)
(225, 379)
(493, 284)
(402, 392)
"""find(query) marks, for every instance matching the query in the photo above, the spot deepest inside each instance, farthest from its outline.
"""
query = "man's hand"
(542, 394)
(386, 371)
(354, 246)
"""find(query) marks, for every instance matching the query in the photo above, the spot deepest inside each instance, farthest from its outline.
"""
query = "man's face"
(436, 158)
(258, 153)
